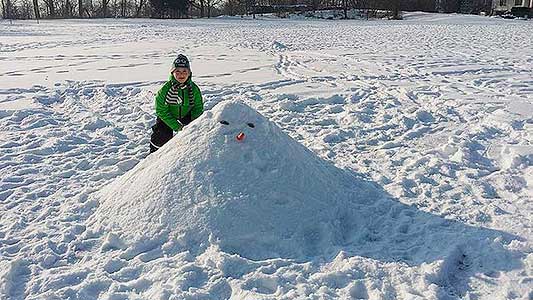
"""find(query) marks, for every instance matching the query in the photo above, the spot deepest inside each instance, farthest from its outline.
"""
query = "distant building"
(508, 5)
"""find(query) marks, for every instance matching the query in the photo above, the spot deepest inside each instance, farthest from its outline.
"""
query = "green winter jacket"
(177, 115)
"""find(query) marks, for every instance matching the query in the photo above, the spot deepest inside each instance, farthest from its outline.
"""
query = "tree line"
(50, 9)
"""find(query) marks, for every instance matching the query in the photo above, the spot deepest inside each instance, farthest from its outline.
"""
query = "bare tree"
(170, 9)
(139, 8)
(345, 8)
(395, 9)
(105, 4)
(88, 8)
(248, 4)
(50, 6)
(450, 5)
(80, 8)
(26, 10)
(67, 9)
(123, 9)
(201, 5)
(4, 10)
(482, 6)
(8, 11)
(210, 5)
(36, 10)
(230, 7)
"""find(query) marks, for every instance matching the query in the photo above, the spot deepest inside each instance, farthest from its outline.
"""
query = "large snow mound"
(263, 196)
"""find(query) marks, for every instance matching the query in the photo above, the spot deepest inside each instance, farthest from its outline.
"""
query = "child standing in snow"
(178, 102)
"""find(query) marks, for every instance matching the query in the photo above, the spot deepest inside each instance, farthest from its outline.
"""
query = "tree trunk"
(36, 9)
(345, 8)
(67, 9)
(104, 7)
(80, 8)
(50, 7)
(139, 8)
(9, 10)
(4, 11)
(396, 9)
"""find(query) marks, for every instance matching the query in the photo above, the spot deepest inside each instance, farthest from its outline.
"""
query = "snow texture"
(388, 160)
(262, 197)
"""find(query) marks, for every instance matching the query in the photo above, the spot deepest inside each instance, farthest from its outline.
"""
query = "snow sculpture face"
(240, 124)
(241, 135)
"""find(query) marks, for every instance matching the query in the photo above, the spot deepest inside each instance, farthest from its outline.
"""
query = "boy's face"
(181, 74)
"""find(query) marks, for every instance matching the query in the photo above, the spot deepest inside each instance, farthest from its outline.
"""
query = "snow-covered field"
(418, 185)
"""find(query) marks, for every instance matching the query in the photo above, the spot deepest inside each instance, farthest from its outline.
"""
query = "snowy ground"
(435, 110)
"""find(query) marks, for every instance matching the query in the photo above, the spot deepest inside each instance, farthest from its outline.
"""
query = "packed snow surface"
(263, 196)
(387, 160)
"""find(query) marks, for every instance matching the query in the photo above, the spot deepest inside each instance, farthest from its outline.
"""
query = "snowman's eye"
(251, 125)
(224, 122)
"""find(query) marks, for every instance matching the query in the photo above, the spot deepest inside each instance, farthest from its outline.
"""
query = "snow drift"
(264, 196)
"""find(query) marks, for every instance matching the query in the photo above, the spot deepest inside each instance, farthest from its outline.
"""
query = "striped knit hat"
(181, 62)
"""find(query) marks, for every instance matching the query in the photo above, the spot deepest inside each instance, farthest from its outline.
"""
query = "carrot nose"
(240, 136)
